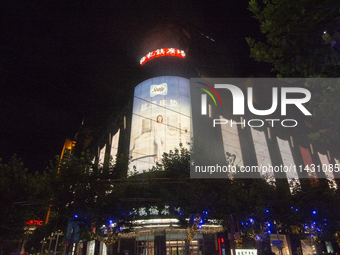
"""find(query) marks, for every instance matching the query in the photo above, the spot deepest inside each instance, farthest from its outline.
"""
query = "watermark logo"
(282, 98)
(204, 97)
(238, 99)
(238, 128)
(161, 89)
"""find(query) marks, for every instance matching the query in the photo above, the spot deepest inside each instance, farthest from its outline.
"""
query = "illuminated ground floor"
(165, 237)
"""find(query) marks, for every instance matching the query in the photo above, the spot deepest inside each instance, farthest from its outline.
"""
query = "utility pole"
(232, 234)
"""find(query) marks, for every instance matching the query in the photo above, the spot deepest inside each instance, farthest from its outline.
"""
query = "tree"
(24, 197)
(315, 215)
(303, 40)
(261, 207)
(91, 195)
(80, 188)
(190, 197)
(201, 199)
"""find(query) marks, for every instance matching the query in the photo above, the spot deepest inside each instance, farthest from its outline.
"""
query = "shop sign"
(161, 53)
(34, 222)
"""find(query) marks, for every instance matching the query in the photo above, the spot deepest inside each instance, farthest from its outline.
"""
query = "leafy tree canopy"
(302, 37)
(303, 40)
(24, 197)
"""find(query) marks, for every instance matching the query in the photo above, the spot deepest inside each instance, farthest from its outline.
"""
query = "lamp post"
(49, 246)
(232, 232)
(279, 246)
(42, 246)
(57, 233)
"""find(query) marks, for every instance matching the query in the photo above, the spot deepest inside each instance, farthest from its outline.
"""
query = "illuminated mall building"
(159, 118)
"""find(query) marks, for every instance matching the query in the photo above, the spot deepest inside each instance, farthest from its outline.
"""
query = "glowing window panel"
(114, 146)
(101, 156)
(231, 144)
(161, 53)
(288, 162)
(327, 169)
(90, 247)
(262, 153)
(307, 160)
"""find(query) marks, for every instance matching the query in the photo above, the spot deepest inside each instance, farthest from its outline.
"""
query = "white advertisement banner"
(161, 119)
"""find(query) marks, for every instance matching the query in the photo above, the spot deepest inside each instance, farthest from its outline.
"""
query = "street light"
(57, 233)
(51, 238)
(42, 246)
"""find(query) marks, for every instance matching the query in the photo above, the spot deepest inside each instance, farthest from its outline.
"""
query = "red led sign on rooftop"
(161, 53)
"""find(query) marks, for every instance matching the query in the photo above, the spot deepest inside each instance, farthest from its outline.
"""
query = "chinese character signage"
(161, 53)
(153, 210)
(245, 252)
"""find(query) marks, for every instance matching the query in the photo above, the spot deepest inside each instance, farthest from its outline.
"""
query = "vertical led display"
(160, 120)
(307, 160)
(288, 163)
(102, 156)
(231, 144)
(262, 153)
(326, 168)
(90, 247)
(114, 146)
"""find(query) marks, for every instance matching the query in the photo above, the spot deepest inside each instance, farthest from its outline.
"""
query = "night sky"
(62, 62)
